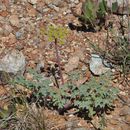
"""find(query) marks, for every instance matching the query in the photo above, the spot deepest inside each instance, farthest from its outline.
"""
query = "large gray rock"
(96, 65)
(13, 62)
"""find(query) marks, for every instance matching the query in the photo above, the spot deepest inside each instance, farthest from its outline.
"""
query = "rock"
(48, 1)
(72, 64)
(125, 127)
(7, 29)
(96, 65)
(20, 34)
(74, 1)
(71, 125)
(40, 6)
(80, 129)
(113, 121)
(1, 31)
(109, 127)
(53, 2)
(54, 7)
(32, 1)
(45, 10)
(12, 38)
(2, 7)
(32, 12)
(125, 111)
(127, 118)
(19, 47)
(13, 62)
(78, 9)
(40, 67)
(79, 53)
(4, 13)
(14, 20)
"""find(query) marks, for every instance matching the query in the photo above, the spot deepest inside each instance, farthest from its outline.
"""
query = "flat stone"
(13, 62)
(7, 29)
(2, 7)
(124, 111)
(113, 121)
(125, 127)
(33, 1)
(96, 65)
(52, 6)
(72, 64)
(1, 31)
(54, 2)
(127, 118)
(32, 12)
(14, 20)
(110, 127)
(80, 129)
(40, 66)
(12, 38)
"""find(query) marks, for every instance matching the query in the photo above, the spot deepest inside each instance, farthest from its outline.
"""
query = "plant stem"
(58, 60)
(53, 73)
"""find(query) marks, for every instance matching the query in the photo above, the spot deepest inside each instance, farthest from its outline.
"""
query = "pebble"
(125, 127)
(18, 35)
(125, 111)
(32, 12)
(40, 66)
(75, 1)
(2, 7)
(7, 29)
(54, 7)
(127, 118)
(33, 1)
(53, 2)
(14, 20)
(12, 38)
(72, 63)
(80, 129)
(1, 31)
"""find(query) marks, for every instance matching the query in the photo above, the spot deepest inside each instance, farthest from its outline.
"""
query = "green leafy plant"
(94, 15)
(56, 34)
(97, 94)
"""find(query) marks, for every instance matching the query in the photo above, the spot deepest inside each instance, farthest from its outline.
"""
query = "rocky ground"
(21, 22)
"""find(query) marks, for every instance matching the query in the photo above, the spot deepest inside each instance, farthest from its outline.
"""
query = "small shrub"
(94, 14)
(97, 94)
